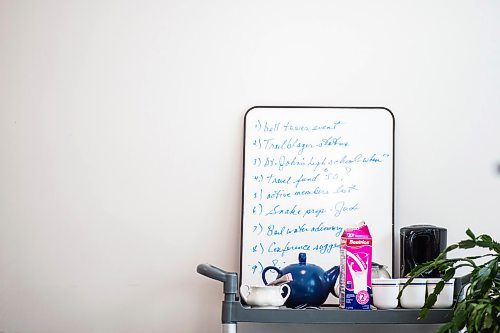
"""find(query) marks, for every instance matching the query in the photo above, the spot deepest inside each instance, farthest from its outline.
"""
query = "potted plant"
(478, 309)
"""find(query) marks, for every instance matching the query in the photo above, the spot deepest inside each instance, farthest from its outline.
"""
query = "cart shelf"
(236, 312)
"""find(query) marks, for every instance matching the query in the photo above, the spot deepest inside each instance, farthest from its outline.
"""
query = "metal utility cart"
(234, 312)
(307, 173)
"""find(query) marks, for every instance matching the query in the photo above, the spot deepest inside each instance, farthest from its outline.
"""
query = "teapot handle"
(332, 275)
(280, 273)
(244, 291)
(289, 291)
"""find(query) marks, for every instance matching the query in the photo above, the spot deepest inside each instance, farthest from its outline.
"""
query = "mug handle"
(244, 289)
(280, 273)
(289, 291)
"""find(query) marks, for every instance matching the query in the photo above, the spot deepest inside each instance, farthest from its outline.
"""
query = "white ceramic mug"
(445, 298)
(385, 293)
(265, 296)
(413, 296)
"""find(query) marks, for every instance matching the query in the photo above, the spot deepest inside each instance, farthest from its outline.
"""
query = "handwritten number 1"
(258, 125)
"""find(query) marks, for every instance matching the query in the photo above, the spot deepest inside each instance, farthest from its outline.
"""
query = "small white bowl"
(385, 293)
(445, 298)
(413, 296)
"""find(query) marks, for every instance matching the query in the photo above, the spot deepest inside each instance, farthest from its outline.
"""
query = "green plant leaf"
(484, 272)
(460, 314)
(485, 244)
(431, 299)
(478, 318)
(487, 238)
(488, 320)
(443, 267)
(496, 247)
(470, 234)
(448, 249)
(466, 244)
(423, 312)
(479, 310)
(449, 274)
(439, 287)
(445, 328)
(488, 274)
(424, 267)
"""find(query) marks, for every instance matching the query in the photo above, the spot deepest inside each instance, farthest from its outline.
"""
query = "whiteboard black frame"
(317, 107)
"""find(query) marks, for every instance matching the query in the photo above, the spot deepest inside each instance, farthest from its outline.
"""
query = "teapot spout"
(331, 277)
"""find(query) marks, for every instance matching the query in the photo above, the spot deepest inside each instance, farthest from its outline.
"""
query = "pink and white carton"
(356, 268)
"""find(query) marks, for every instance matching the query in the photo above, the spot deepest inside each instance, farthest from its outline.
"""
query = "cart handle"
(229, 279)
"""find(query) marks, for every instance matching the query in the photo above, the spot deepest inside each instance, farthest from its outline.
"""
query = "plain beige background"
(121, 140)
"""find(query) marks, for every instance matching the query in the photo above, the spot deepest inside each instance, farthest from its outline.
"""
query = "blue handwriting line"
(295, 211)
(282, 162)
(282, 194)
(342, 207)
(290, 127)
(290, 143)
(332, 141)
(325, 248)
(274, 230)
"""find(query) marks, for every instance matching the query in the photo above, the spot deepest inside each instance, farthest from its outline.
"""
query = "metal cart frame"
(233, 311)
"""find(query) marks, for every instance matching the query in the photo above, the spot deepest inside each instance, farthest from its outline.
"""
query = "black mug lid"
(422, 226)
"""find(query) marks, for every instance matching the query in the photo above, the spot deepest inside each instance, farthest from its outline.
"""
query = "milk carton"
(356, 268)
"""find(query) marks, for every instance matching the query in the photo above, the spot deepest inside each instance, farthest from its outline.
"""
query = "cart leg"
(229, 328)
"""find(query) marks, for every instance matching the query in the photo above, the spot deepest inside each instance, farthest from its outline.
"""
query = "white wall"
(121, 139)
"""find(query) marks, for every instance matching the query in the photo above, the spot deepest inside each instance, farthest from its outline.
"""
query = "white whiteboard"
(308, 173)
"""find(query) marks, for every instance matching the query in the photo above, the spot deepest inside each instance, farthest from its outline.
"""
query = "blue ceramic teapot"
(311, 284)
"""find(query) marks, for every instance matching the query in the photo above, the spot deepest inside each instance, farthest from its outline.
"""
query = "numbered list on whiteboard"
(306, 178)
